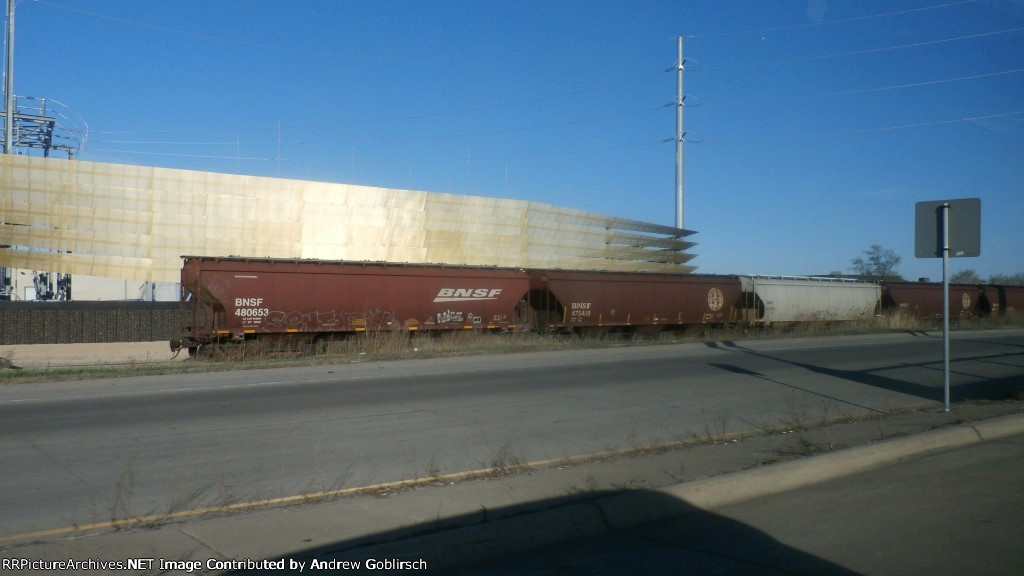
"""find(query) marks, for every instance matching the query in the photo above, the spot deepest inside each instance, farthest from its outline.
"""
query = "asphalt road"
(83, 452)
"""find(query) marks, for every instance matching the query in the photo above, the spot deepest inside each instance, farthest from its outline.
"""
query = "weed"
(590, 486)
(633, 439)
(509, 461)
(715, 430)
(181, 500)
(799, 418)
(430, 472)
(124, 488)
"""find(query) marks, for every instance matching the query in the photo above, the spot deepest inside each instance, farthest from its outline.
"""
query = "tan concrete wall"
(135, 222)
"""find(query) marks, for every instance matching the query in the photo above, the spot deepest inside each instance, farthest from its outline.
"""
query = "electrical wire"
(866, 51)
(398, 118)
(892, 128)
(492, 132)
(924, 124)
(223, 39)
(828, 22)
(862, 90)
(381, 161)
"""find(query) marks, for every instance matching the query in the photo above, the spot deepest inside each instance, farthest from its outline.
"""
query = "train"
(232, 299)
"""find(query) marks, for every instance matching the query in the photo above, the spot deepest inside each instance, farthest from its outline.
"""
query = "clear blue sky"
(813, 126)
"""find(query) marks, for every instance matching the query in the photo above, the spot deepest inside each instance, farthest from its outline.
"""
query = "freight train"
(236, 299)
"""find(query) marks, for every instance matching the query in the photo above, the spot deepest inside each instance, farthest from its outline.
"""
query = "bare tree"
(968, 276)
(879, 263)
(1007, 279)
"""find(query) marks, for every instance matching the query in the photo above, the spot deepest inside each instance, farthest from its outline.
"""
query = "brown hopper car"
(239, 298)
(608, 301)
(924, 300)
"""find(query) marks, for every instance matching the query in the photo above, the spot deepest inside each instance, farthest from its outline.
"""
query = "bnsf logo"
(465, 294)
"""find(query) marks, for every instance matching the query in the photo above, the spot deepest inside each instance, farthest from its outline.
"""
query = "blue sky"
(813, 126)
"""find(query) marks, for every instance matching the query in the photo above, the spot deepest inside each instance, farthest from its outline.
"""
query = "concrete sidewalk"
(45, 356)
(946, 513)
(452, 524)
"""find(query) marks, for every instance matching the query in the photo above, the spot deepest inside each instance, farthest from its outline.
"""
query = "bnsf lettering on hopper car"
(580, 309)
(239, 302)
(467, 294)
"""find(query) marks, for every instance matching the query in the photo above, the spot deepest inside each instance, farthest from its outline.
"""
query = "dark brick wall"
(80, 322)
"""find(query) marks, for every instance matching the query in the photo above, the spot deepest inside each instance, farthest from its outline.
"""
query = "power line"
(828, 22)
(868, 50)
(891, 128)
(382, 161)
(534, 155)
(397, 118)
(166, 142)
(198, 35)
(924, 124)
(491, 132)
(195, 156)
(863, 90)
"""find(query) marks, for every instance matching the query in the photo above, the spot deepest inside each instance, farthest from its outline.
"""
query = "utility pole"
(9, 81)
(5, 288)
(679, 136)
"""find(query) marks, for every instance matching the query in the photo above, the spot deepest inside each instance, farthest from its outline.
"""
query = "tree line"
(880, 263)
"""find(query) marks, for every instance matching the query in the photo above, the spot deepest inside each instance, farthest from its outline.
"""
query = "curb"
(468, 545)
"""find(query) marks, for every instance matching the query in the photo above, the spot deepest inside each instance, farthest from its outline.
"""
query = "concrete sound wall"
(135, 223)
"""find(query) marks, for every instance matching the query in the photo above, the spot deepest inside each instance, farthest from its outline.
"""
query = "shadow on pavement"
(1010, 387)
(616, 532)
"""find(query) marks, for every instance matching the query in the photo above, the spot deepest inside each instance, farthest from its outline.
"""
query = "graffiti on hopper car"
(449, 316)
(316, 321)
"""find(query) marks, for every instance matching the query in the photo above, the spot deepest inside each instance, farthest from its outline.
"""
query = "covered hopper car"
(923, 300)
(598, 302)
(226, 299)
(790, 299)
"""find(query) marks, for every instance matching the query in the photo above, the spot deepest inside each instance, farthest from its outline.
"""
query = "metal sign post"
(945, 305)
(933, 238)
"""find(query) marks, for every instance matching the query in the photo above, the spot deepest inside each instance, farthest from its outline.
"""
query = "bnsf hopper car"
(923, 300)
(595, 302)
(1009, 299)
(226, 299)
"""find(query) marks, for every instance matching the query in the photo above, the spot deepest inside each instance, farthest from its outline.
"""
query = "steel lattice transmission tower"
(36, 125)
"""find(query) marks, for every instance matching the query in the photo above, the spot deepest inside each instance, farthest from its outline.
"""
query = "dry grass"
(387, 345)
